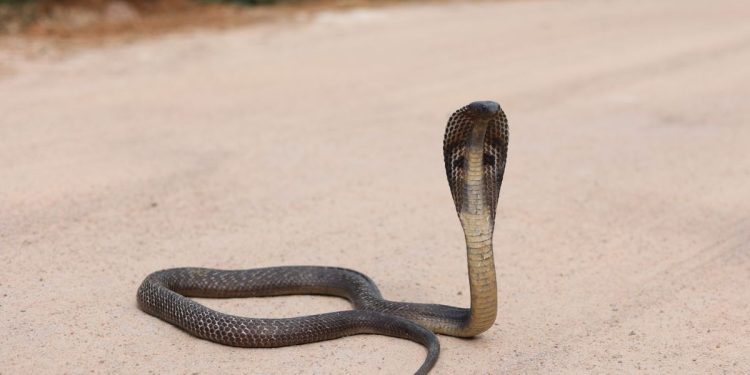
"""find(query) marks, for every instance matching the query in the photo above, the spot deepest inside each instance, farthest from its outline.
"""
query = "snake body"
(475, 150)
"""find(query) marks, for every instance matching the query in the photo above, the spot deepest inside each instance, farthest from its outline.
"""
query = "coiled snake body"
(474, 149)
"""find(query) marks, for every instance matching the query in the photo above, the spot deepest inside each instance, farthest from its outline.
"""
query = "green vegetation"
(243, 2)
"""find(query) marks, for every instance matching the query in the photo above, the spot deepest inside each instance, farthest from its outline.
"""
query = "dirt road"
(623, 233)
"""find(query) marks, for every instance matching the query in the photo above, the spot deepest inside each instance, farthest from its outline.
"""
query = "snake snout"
(484, 108)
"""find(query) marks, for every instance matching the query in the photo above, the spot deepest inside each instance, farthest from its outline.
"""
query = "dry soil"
(623, 233)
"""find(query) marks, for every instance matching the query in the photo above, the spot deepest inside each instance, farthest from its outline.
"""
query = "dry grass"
(92, 20)
(38, 28)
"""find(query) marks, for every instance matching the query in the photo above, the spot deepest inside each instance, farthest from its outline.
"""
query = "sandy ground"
(623, 234)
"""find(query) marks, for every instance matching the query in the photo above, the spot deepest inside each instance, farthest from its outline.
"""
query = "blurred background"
(142, 135)
(82, 17)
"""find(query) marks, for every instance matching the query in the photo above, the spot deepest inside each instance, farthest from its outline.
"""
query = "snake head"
(483, 109)
(482, 128)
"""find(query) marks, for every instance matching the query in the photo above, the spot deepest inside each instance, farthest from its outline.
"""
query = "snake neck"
(478, 227)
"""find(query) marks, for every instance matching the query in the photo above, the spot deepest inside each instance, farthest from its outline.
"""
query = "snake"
(475, 147)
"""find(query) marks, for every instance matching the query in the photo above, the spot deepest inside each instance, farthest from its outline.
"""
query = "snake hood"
(483, 125)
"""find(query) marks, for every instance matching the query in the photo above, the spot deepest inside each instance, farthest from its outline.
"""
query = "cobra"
(475, 151)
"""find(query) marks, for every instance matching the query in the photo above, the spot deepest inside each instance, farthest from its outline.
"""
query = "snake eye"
(489, 160)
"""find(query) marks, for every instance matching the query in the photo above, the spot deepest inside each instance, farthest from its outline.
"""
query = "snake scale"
(475, 150)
